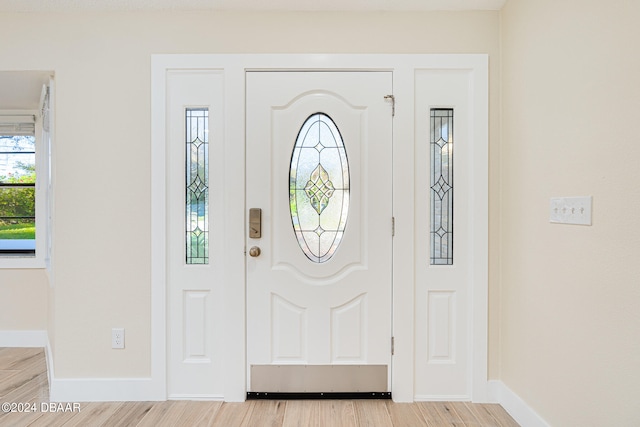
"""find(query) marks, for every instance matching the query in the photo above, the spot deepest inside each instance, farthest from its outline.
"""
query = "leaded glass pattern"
(441, 190)
(197, 185)
(319, 188)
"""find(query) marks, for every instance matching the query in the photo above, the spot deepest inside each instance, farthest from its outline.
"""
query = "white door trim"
(404, 67)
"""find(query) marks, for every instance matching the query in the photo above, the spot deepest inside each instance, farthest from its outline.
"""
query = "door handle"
(255, 223)
(254, 251)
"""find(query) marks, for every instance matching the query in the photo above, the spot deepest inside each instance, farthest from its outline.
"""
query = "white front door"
(319, 292)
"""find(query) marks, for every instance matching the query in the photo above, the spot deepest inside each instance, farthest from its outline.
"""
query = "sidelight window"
(197, 186)
(441, 191)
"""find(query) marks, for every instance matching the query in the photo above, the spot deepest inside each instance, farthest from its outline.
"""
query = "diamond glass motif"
(319, 188)
(441, 190)
(197, 185)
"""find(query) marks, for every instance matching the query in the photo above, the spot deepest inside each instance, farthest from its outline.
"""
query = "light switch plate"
(571, 210)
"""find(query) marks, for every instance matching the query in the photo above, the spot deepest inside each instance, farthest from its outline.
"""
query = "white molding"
(442, 398)
(200, 397)
(104, 390)
(33, 338)
(158, 226)
(479, 151)
(519, 410)
(48, 357)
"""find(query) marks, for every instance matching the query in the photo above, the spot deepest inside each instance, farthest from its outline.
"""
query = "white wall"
(570, 323)
(102, 67)
(566, 338)
(23, 300)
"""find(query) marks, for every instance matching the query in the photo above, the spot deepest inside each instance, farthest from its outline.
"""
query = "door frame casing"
(404, 67)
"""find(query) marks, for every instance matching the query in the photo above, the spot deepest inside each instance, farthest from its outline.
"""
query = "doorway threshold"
(252, 395)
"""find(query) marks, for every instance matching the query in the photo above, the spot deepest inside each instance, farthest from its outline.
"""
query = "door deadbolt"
(255, 223)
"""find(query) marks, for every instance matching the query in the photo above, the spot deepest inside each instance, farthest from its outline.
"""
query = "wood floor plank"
(180, 412)
(229, 414)
(29, 391)
(32, 358)
(12, 357)
(19, 379)
(339, 413)
(302, 413)
(442, 411)
(159, 413)
(5, 375)
(29, 394)
(447, 411)
(53, 419)
(129, 414)
(372, 413)
(32, 389)
(319, 413)
(405, 414)
(94, 414)
(198, 413)
(501, 416)
(266, 413)
(19, 420)
(467, 417)
(484, 417)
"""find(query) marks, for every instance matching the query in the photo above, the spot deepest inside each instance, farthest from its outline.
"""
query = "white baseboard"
(524, 414)
(441, 398)
(35, 338)
(204, 397)
(48, 356)
(104, 390)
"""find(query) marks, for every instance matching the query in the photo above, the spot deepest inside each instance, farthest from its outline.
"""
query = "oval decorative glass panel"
(319, 187)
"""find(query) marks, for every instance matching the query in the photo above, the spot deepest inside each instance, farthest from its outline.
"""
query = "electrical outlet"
(117, 338)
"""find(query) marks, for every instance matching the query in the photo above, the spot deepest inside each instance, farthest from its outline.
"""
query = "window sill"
(17, 262)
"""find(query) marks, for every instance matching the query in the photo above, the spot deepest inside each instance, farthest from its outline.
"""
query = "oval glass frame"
(319, 187)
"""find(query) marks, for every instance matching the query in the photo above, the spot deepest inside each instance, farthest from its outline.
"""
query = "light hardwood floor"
(23, 380)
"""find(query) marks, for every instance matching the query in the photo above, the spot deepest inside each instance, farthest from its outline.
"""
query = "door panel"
(301, 311)
(443, 292)
(195, 308)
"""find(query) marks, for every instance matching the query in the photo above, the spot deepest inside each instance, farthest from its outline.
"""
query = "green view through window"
(17, 192)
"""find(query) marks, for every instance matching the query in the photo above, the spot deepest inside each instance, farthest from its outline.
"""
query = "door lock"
(255, 223)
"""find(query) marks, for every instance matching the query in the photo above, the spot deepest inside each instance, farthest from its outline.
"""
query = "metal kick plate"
(255, 223)
(319, 378)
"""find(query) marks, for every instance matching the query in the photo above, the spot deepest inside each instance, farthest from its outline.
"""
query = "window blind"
(13, 125)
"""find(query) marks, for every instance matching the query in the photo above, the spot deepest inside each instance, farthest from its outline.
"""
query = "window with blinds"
(17, 185)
